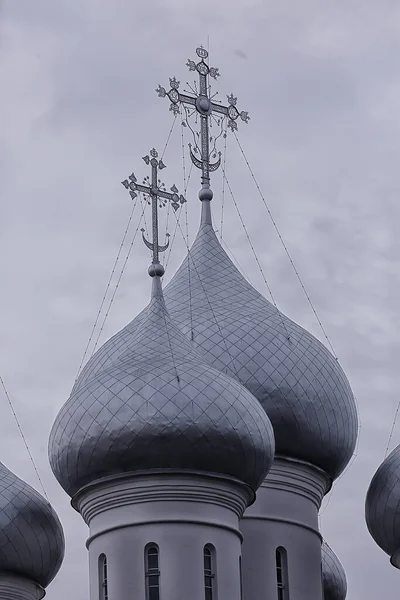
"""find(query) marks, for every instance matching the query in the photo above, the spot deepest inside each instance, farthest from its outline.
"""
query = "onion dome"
(160, 406)
(31, 535)
(382, 507)
(298, 382)
(333, 575)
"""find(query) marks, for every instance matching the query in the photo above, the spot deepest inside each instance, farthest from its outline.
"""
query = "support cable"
(120, 277)
(234, 259)
(392, 430)
(185, 184)
(209, 304)
(176, 223)
(223, 187)
(169, 136)
(285, 246)
(255, 255)
(107, 289)
(23, 437)
(307, 296)
(114, 269)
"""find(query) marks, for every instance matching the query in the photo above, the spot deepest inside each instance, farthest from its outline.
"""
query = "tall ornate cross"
(158, 196)
(204, 106)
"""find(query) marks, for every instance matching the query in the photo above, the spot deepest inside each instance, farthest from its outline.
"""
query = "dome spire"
(202, 104)
(157, 195)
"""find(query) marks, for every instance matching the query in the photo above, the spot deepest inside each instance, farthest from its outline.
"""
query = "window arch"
(152, 572)
(282, 583)
(209, 572)
(103, 577)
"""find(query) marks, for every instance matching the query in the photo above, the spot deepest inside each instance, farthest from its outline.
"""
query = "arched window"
(209, 572)
(152, 572)
(282, 574)
(103, 577)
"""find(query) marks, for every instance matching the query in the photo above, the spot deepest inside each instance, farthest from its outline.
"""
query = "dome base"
(16, 587)
(144, 487)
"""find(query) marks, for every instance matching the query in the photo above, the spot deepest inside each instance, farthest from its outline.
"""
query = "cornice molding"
(144, 488)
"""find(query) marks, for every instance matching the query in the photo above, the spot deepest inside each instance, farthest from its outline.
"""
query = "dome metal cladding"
(299, 383)
(333, 575)
(31, 535)
(382, 506)
(159, 406)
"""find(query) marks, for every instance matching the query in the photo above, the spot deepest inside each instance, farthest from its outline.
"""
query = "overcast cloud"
(77, 112)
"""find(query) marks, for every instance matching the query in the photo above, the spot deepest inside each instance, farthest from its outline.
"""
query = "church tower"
(161, 454)
(166, 435)
(299, 384)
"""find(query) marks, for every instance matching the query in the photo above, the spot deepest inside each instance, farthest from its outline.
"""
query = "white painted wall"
(285, 513)
(181, 513)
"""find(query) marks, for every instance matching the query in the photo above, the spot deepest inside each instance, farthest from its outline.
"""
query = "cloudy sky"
(78, 110)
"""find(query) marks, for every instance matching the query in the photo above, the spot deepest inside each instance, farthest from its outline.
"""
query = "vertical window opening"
(209, 572)
(241, 578)
(103, 577)
(152, 573)
(282, 574)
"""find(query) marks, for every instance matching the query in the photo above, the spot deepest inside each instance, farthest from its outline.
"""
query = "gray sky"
(77, 112)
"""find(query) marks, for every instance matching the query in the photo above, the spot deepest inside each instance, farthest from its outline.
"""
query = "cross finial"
(203, 105)
(157, 195)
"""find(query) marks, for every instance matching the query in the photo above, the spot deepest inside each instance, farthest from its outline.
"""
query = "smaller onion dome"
(382, 506)
(333, 575)
(31, 535)
(160, 406)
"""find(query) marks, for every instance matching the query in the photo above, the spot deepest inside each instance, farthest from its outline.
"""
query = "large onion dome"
(333, 575)
(382, 506)
(160, 406)
(31, 536)
(298, 382)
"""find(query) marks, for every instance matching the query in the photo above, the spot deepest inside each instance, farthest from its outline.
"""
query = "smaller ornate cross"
(158, 196)
(204, 106)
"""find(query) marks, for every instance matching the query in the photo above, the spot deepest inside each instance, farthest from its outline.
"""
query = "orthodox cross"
(205, 106)
(155, 190)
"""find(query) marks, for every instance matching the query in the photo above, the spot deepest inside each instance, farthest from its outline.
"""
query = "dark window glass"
(152, 573)
(152, 561)
(154, 593)
(209, 575)
(241, 578)
(103, 577)
(282, 574)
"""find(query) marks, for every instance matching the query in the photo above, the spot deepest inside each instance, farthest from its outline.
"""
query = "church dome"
(298, 382)
(382, 506)
(333, 575)
(160, 406)
(31, 536)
